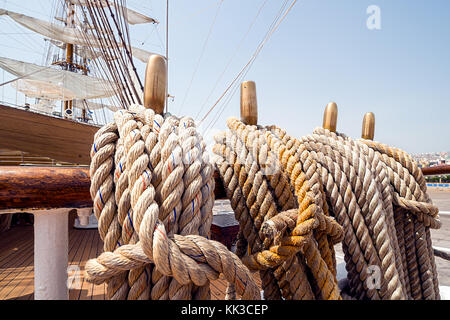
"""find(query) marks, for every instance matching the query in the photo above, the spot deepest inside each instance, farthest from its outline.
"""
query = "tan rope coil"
(152, 185)
(245, 154)
(376, 193)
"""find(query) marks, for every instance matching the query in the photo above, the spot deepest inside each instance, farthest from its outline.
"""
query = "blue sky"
(322, 52)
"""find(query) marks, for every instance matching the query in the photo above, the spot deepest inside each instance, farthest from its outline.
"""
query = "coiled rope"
(152, 185)
(296, 198)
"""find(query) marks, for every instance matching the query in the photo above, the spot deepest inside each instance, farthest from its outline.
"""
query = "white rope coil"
(152, 186)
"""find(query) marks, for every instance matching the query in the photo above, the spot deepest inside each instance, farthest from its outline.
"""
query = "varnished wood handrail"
(436, 170)
(38, 187)
(33, 187)
(30, 187)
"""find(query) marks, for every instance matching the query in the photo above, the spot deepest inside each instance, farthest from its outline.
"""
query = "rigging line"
(120, 64)
(213, 121)
(226, 103)
(119, 26)
(201, 56)
(198, 12)
(48, 47)
(111, 48)
(104, 86)
(241, 77)
(249, 63)
(130, 53)
(231, 59)
(148, 37)
(107, 71)
(258, 50)
(167, 55)
(26, 44)
(228, 100)
(24, 76)
(103, 74)
(19, 27)
(21, 33)
(27, 50)
(127, 60)
(159, 37)
(90, 48)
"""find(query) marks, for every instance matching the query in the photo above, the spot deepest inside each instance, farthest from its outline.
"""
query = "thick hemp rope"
(152, 185)
(285, 191)
(299, 264)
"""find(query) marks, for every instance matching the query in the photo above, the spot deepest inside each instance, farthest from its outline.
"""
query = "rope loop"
(322, 189)
(152, 186)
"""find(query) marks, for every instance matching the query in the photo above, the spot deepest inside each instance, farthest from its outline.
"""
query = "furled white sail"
(51, 30)
(42, 90)
(45, 82)
(46, 106)
(97, 106)
(65, 34)
(80, 51)
(141, 54)
(131, 16)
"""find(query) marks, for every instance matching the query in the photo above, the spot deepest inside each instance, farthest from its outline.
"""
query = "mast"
(67, 37)
(167, 54)
(69, 52)
(85, 70)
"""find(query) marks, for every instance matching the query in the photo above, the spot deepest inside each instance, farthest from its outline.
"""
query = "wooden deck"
(17, 271)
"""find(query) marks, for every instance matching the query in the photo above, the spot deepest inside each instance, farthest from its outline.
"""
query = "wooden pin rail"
(32, 187)
(68, 187)
(29, 187)
(437, 170)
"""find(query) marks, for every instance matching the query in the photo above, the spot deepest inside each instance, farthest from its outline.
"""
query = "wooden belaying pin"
(368, 127)
(249, 104)
(155, 87)
(330, 117)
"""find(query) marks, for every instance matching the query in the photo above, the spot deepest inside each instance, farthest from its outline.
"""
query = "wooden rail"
(27, 187)
(436, 170)
(30, 187)
(36, 187)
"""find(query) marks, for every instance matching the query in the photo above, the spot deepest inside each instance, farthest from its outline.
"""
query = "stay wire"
(258, 50)
(231, 59)
(201, 56)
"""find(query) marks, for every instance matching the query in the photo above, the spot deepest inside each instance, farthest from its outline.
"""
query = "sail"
(51, 30)
(45, 106)
(65, 34)
(141, 54)
(45, 82)
(131, 16)
(42, 90)
(96, 106)
(80, 51)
